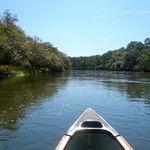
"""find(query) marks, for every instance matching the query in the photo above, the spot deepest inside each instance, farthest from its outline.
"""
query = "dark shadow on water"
(20, 93)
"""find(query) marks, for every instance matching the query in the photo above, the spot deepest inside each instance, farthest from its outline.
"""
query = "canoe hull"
(92, 132)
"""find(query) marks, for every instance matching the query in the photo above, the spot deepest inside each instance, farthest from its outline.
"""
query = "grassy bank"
(10, 71)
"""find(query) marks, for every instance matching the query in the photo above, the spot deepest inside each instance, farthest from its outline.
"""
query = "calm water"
(36, 111)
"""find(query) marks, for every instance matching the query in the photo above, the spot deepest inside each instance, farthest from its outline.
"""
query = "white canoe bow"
(91, 132)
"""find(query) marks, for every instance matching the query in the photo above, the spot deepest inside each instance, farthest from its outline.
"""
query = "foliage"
(18, 49)
(144, 60)
(135, 57)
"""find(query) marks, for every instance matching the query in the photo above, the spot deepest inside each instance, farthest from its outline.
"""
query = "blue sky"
(83, 27)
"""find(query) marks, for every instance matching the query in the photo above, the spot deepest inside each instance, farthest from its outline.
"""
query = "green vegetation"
(135, 57)
(26, 54)
(21, 54)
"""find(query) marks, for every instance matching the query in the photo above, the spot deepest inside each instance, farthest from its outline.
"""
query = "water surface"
(36, 111)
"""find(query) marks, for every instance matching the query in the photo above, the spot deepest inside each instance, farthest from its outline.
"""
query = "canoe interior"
(92, 141)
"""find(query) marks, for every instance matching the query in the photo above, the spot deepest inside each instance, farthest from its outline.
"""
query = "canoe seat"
(91, 124)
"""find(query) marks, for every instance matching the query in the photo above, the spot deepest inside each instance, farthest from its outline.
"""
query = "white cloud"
(137, 12)
(145, 12)
(125, 13)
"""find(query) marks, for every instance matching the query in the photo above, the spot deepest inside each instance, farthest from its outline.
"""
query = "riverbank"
(12, 71)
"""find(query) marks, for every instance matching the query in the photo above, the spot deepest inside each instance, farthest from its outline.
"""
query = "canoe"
(91, 132)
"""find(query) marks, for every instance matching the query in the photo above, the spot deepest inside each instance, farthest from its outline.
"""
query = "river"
(36, 111)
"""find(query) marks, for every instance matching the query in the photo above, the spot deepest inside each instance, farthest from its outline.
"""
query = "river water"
(36, 111)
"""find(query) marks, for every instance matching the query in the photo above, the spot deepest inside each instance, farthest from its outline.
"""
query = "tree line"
(135, 57)
(21, 50)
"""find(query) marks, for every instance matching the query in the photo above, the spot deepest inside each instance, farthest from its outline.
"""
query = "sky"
(83, 27)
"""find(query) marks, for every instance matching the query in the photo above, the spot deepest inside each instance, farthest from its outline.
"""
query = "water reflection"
(19, 94)
(135, 85)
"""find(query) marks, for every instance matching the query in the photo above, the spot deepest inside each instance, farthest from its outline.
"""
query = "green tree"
(134, 45)
(117, 61)
(147, 42)
(144, 60)
(17, 49)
